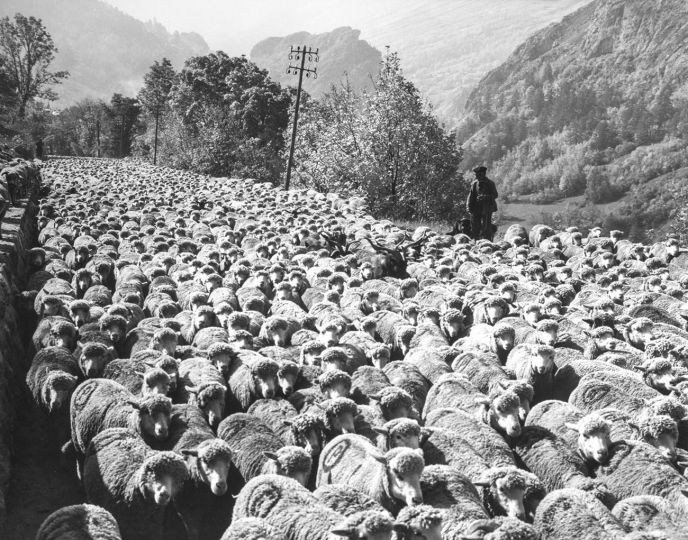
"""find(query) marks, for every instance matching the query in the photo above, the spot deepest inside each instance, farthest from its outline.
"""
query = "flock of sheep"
(222, 359)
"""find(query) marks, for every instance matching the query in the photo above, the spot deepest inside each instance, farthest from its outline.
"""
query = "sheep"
(590, 434)
(386, 478)
(82, 521)
(483, 370)
(555, 463)
(249, 439)
(205, 501)
(202, 384)
(444, 488)
(408, 378)
(98, 404)
(52, 377)
(636, 468)
(651, 513)
(368, 524)
(138, 377)
(571, 513)
(131, 481)
(251, 528)
(419, 522)
(592, 394)
(490, 445)
(534, 364)
(286, 506)
(292, 461)
(346, 500)
(249, 383)
(276, 413)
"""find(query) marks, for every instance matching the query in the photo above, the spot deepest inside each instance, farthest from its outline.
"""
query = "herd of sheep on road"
(222, 359)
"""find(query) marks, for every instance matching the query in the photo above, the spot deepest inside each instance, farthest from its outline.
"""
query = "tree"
(155, 94)
(79, 129)
(385, 144)
(27, 50)
(227, 118)
(123, 115)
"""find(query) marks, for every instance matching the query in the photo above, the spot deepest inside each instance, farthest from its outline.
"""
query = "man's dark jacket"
(483, 197)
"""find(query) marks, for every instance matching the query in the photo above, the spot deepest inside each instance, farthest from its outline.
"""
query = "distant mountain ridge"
(344, 55)
(104, 49)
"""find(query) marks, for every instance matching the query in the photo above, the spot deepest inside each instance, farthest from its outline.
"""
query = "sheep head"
(213, 461)
(593, 438)
(404, 469)
(161, 477)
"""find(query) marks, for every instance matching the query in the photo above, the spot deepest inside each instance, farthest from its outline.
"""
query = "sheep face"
(549, 337)
(116, 332)
(673, 250)
(494, 314)
(161, 489)
(504, 343)
(380, 357)
(214, 474)
(173, 374)
(329, 337)
(337, 389)
(367, 273)
(155, 425)
(506, 421)
(57, 390)
(287, 382)
(92, 365)
(222, 362)
(665, 442)
(509, 296)
(595, 446)
(510, 498)
(400, 438)
(453, 329)
(310, 441)
(167, 344)
(50, 309)
(80, 317)
(213, 408)
(404, 477)
(542, 361)
(663, 381)
(640, 336)
(342, 423)
(532, 317)
(156, 382)
(63, 339)
(277, 336)
(283, 294)
(202, 320)
(265, 386)
(82, 256)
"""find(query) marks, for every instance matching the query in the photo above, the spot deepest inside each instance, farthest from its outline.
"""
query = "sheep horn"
(479, 483)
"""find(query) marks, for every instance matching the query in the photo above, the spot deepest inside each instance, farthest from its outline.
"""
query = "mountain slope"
(343, 53)
(104, 50)
(447, 46)
(597, 104)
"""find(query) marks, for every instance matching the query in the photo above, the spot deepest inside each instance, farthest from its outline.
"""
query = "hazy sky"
(235, 26)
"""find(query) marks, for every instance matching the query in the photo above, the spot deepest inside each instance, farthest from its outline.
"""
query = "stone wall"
(18, 235)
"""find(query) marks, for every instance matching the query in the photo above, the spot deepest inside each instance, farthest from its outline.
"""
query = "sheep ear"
(381, 431)
(287, 422)
(134, 404)
(192, 389)
(633, 425)
(376, 397)
(380, 458)
(419, 451)
(342, 531)
(504, 385)
(478, 483)
(271, 455)
(684, 492)
(642, 369)
(482, 401)
(571, 426)
(192, 452)
(472, 537)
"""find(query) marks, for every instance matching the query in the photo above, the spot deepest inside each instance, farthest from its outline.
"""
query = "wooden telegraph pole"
(299, 54)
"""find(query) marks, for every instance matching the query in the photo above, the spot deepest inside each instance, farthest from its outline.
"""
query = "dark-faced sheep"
(131, 481)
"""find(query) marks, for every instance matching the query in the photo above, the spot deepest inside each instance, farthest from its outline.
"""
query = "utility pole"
(299, 54)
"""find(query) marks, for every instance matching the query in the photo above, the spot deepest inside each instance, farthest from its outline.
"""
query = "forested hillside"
(595, 105)
(344, 55)
(104, 50)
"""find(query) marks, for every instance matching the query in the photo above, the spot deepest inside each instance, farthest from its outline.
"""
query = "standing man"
(482, 202)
